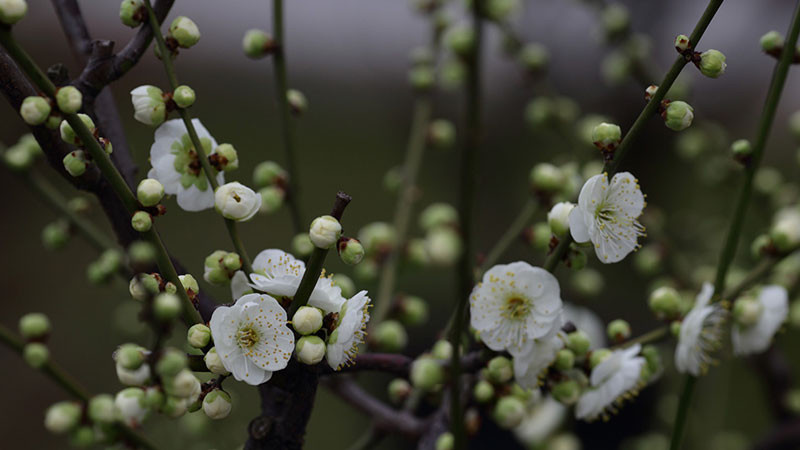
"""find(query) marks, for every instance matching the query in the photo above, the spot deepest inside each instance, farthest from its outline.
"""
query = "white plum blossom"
(252, 337)
(615, 379)
(542, 418)
(176, 165)
(536, 356)
(236, 201)
(239, 285)
(773, 302)
(701, 333)
(515, 304)
(149, 107)
(607, 215)
(349, 332)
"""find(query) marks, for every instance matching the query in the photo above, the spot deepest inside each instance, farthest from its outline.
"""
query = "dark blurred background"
(350, 58)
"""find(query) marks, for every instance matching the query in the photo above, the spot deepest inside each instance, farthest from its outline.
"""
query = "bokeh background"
(350, 58)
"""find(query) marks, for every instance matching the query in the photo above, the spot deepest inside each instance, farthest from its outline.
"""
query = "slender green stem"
(558, 253)
(285, 116)
(103, 162)
(169, 68)
(309, 280)
(647, 338)
(732, 239)
(512, 233)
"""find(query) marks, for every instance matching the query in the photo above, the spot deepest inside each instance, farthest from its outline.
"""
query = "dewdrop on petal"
(35, 110)
(325, 231)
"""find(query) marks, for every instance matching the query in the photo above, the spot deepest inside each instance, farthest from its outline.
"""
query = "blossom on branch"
(615, 379)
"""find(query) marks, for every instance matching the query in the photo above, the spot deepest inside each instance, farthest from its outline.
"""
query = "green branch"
(511, 234)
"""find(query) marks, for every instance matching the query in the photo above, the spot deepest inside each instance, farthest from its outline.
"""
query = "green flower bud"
(452, 74)
(565, 359)
(747, 311)
(741, 149)
(377, 237)
(297, 101)
(345, 284)
(325, 231)
(500, 370)
(567, 392)
(558, 218)
(232, 261)
(183, 385)
(678, 115)
(198, 335)
(271, 199)
(443, 245)
(426, 373)
(75, 163)
(442, 350)
(785, 232)
(615, 19)
(606, 136)
(189, 284)
(675, 329)
(69, 136)
(310, 349)
(399, 389)
(665, 302)
(441, 134)
(767, 180)
(579, 342)
(416, 253)
(62, 417)
(421, 56)
(648, 260)
(302, 245)
(546, 177)
(174, 407)
(534, 57)
(307, 320)
(34, 110)
(771, 42)
(390, 336)
(12, 11)
(653, 358)
(367, 271)
(184, 31)
(445, 441)
(508, 412)
(351, 251)
(55, 235)
(616, 67)
(483, 392)
(183, 96)
(413, 310)
(499, 10)
(35, 354)
(618, 330)
(130, 356)
(166, 306)
(421, 77)
(792, 400)
(257, 44)
(142, 221)
(393, 179)
(101, 409)
(438, 215)
(540, 235)
(760, 244)
(214, 362)
(132, 12)
(34, 326)
(682, 43)
(69, 99)
(217, 404)
(214, 260)
(228, 157)
(18, 158)
(712, 63)
(598, 356)
(461, 40)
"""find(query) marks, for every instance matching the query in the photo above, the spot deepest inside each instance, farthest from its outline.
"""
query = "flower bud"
(741, 149)
(747, 311)
(534, 57)
(55, 235)
(310, 349)
(461, 40)
(579, 342)
(183, 96)
(183, 385)
(499, 10)
(682, 43)
(565, 359)
(69, 136)
(615, 18)
(390, 336)
(444, 246)
(268, 173)
(130, 406)
(771, 42)
(438, 215)
(184, 31)
(142, 221)
(368, 270)
(508, 412)
(130, 356)
(441, 134)
(101, 409)
(62, 417)
(34, 326)
(606, 136)
(217, 404)
(12, 11)
(785, 231)
(558, 218)
(149, 107)
(445, 441)
(228, 157)
(141, 253)
(345, 284)
(648, 260)
(618, 330)
(598, 356)
(483, 392)
(257, 44)
(75, 163)
(137, 377)
(132, 12)
(442, 350)
(302, 245)
(399, 389)
(325, 231)
(236, 201)
(190, 285)
(307, 320)
(35, 354)
(271, 199)
(199, 335)
(18, 158)
(546, 177)
(214, 362)
(351, 251)
(174, 407)
(413, 310)
(426, 373)
(35, 110)
(567, 392)
(675, 329)
(500, 370)
(712, 63)
(69, 99)
(171, 362)
(678, 115)
(665, 302)
(166, 306)
(138, 290)
(377, 237)
(297, 101)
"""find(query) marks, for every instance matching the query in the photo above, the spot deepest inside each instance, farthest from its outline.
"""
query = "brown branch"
(785, 436)
(378, 362)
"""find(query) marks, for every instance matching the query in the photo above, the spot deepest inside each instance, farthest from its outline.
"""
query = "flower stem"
(647, 338)
(558, 253)
(100, 157)
(169, 68)
(512, 233)
(284, 115)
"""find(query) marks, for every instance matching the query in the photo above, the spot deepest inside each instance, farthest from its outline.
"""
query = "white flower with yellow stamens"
(515, 304)
(612, 381)
(349, 332)
(252, 338)
(607, 215)
(701, 334)
(758, 319)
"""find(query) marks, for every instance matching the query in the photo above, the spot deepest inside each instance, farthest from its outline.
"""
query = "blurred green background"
(350, 59)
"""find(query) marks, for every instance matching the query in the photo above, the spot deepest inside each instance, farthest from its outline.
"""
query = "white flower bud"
(443, 245)
(130, 406)
(101, 409)
(236, 201)
(12, 11)
(785, 231)
(214, 362)
(325, 231)
(62, 417)
(166, 306)
(307, 320)
(198, 335)
(217, 404)
(310, 349)
(184, 31)
(149, 192)
(69, 99)
(183, 385)
(137, 377)
(149, 107)
(34, 109)
(558, 218)
(69, 136)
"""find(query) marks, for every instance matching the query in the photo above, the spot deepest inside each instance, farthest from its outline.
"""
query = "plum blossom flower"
(176, 165)
(701, 333)
(607, 215)
(252, 337)
(772, 307)
(536, 356)
(349, 332)
(612, 381)
(236, 201)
